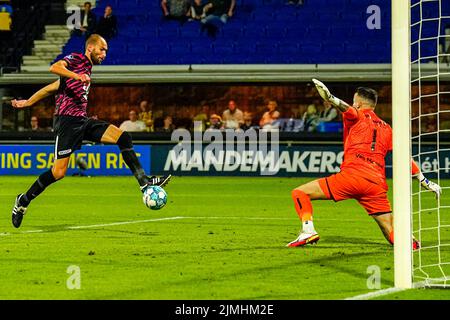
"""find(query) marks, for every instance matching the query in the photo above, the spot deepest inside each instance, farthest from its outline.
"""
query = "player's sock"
(304, 209)
(129, 156)
(414, 168)
(391, 237)
(308, 226)
(37, 187)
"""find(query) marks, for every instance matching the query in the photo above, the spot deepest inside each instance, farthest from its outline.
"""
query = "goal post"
(421, 131)
(401, 158)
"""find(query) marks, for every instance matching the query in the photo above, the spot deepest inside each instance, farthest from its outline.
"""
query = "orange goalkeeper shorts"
(344, 185)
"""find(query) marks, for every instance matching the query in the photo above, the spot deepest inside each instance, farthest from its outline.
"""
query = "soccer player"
(367, 140)
(72, 126)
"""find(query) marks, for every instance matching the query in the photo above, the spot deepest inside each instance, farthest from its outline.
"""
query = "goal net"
(430, 138)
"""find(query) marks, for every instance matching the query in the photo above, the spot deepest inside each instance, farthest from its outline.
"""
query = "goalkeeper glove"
(430, 185)
(325, 93)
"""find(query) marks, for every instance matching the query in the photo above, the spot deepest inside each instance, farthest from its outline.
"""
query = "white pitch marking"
(123, 223)
(375, 294)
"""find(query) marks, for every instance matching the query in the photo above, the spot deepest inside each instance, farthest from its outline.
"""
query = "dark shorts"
(71, 131)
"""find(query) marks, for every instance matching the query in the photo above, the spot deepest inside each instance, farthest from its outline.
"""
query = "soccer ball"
(154, 197)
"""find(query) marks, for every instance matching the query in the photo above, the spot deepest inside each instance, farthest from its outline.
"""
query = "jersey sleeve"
(71, 60)
(350, 117)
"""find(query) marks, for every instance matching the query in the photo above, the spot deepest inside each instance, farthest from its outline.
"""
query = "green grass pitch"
(217, 238)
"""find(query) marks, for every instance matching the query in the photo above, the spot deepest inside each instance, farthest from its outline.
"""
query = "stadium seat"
(330, 126)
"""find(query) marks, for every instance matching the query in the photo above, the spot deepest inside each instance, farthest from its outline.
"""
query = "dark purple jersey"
(72, 95)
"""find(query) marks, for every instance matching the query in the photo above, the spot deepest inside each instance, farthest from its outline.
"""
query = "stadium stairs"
(45, 50)
(28, 24)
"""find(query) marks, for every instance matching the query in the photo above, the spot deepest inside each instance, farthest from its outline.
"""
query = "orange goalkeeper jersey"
(367, 140)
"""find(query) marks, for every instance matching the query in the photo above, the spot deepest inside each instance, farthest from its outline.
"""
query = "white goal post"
(421, 131)
(401, 157)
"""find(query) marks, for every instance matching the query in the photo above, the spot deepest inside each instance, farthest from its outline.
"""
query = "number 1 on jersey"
(374, 139)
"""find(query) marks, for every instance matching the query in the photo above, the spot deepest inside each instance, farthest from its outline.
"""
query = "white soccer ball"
(154, 197)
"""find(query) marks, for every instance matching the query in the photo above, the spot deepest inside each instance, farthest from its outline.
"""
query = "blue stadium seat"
(263, 15)
(334, 126)
(137, 49)
(179, 48)
(318, 32)
(285, 15)
(290, 48)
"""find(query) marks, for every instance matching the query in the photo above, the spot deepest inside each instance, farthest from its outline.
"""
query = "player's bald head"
(96, 48)
(95, 39)
(368, 95)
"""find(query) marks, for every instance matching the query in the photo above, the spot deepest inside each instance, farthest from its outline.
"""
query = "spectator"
(269, 116)
(202, 117)
(88, 21)
(329, 113)
(145, 115)
(215, 122)
(297, 2)
(6, 12)
(34, 124)
(217, 12)
(198, 10)
(107, 26)
(133, 124)
(248, 121)
(167, 125)
(232, 117)
(176, 9)
(310, 118)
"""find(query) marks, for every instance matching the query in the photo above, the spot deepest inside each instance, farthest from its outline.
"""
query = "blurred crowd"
(143, 118)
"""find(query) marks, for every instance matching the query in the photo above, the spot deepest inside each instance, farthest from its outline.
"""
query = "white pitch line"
(375, 294)
(122, 223)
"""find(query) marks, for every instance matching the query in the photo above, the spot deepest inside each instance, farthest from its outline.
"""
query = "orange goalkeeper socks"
(303, 205)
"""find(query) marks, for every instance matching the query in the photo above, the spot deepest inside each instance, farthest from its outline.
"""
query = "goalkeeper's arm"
(427, 184)
(327, 96)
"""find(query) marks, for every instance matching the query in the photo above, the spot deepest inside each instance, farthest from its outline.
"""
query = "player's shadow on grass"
(54, 228)
(71, 228)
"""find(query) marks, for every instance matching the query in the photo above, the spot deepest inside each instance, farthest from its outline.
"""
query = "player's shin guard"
(37, 187)
(303, 205)
(125, 144)
(304, 209)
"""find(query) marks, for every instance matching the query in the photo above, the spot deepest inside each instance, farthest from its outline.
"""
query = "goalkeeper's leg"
(386, 223)
(302, 197)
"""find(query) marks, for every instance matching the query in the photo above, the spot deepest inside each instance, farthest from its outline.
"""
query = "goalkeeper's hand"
(325, 93)
(430, 185)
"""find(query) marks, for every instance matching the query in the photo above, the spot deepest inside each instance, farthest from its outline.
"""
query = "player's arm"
(60, 68)
(45, 92)
(427, 184)
(231, 9)
(327, 96)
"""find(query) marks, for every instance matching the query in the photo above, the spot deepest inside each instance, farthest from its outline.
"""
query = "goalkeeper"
(367, 140)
